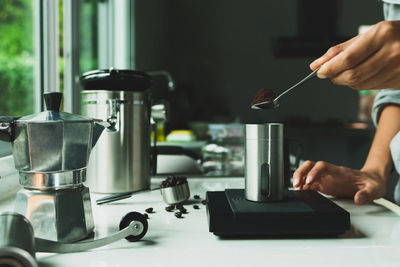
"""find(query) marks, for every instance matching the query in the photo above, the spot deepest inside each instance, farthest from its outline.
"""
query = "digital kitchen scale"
(301, 213)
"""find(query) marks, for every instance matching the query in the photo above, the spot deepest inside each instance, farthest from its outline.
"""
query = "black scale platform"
(301, 213)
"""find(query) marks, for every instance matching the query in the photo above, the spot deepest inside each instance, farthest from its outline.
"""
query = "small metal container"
(16, 241)
(175, 194)
(264, 162)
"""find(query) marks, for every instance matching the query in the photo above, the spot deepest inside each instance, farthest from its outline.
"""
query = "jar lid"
(116, 80)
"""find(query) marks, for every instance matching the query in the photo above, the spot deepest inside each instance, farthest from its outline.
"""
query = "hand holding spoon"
(266, 98)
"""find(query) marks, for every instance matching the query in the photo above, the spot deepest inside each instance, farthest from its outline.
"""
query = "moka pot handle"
(7, 124)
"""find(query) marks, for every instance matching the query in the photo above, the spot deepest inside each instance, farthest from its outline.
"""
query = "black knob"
(53, 100)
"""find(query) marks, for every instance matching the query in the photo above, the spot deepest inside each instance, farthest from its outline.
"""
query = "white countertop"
(374, 239)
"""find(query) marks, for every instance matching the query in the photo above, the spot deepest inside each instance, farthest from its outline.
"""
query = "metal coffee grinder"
(51, 151)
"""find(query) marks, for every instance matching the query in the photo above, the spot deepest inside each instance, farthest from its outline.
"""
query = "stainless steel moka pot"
(51, 151)
(264, 162)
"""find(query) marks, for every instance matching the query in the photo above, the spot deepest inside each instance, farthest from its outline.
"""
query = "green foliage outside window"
(16, 57)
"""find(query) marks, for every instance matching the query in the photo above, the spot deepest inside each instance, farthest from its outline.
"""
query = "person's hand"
(339, 181)
(368, 61)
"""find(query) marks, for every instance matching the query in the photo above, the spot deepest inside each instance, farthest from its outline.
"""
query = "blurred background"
(219, 53)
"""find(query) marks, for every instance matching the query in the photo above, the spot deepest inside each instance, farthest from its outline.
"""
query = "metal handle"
(113, 115)
(308, 77)
(135, 228)
(53, 100)
(7, 128)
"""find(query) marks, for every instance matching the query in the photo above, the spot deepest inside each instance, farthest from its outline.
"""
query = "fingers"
(363, 75)
(364, 197)
(370, 187)
(355, 53)
(300, 175)
(331, 53)
(320, 168)
(306, 176)
(388, 76)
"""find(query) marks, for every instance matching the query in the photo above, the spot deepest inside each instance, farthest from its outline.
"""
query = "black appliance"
(301, 213)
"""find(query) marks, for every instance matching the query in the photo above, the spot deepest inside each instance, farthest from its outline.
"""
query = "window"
(17, 72)
(88, 36)
(47, 45)
(16, 61)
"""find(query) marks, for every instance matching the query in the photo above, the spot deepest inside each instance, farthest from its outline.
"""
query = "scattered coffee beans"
(170, 208)
(146, 215)
(178, 214)
(196, 207)
(149, 210)
(173, 180)
(183, 210)
(196, 197)
(204, 202)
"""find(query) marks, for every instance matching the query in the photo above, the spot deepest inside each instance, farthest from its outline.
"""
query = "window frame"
(116, 49)
(46, 75)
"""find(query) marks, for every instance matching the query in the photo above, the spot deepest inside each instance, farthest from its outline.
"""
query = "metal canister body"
(17, 243)
(264, 162)
(120, 162)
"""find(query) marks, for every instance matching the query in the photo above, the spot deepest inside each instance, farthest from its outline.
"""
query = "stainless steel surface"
(274, 103)
(58, 215)
(52, 141)
(175, 194)
(52, 146)
(52, 180)
(16, 241)
(264, 169)
(120, 162)
(159, 112)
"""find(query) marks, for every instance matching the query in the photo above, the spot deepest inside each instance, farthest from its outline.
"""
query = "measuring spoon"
(273, 103)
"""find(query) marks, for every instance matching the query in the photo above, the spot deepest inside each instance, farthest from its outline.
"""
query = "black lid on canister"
(115, 80)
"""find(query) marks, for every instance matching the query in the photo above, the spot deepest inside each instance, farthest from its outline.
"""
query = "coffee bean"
(196, 197)
(146, 215)
(196, 207)
(183, 210)
(178, 214)
(204, 202)
(169, 208)
(149, 210)
(173, 181)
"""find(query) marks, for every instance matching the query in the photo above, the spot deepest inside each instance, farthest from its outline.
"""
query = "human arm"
(363, 185)
(368, 61)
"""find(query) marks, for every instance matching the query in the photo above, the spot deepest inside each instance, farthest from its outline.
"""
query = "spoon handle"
(309, 76)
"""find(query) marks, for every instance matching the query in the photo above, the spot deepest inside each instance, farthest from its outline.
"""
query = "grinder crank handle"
(134, 231)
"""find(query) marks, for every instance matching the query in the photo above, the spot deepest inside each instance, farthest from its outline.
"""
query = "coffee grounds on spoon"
(263, 95)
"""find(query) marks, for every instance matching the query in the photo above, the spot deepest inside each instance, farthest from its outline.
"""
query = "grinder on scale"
(265, 207)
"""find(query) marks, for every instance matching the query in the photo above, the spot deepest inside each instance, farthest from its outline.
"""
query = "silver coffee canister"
(264, 162)
(120, 162)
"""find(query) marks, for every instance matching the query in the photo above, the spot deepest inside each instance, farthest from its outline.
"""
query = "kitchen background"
(220, 53)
